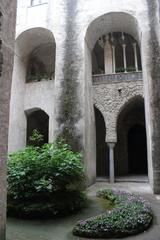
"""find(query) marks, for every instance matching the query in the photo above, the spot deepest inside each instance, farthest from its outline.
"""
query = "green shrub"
(131, 215)
(45, 181)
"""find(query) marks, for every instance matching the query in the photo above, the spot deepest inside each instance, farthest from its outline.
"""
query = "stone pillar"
(111, 162)
(108, 57)
(124, 56)
(7, 36)
(113, 59)
(135, 56)
(150, 46)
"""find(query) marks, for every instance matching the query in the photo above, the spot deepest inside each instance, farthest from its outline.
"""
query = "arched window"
(116, 52)
(37, 120)
(41, 63)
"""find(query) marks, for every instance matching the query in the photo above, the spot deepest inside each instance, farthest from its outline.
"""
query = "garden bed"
(128, 214)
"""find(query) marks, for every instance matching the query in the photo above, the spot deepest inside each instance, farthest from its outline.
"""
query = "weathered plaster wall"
(76, 26)
(69, 100)
(151, 63)
(41, 95)
(7, 34)
(28, 95)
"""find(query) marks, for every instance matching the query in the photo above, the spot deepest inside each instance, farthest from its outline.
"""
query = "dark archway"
(131, 149)
(101, 146)
(137, 150)
(39, 120)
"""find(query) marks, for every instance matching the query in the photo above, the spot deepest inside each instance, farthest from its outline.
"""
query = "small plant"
(37, 77)
(130, 69)
(36, 138)
(131, 214)
(45, 181)
(100, 71)
(119, 70)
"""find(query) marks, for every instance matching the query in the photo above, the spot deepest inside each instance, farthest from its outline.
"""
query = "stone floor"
(62, 229)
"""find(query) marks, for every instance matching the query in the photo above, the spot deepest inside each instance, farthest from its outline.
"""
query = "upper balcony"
(117, 77)
(116, 58)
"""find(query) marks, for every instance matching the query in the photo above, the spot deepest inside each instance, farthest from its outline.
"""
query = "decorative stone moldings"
(118, 77)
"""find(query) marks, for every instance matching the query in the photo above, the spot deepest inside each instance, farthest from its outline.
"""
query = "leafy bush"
(131, 215)
(45, 181)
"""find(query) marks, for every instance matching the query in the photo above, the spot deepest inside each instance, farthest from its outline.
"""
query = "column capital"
(111, 144)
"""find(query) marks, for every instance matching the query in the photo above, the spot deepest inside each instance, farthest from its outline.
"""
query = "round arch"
(112, 22)
(37, 49)
(31, 38)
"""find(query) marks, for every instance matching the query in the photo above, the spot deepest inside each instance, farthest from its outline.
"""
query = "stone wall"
(111, 98)
(7, 32)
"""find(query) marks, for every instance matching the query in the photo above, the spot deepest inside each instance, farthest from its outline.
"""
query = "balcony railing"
(117, 77)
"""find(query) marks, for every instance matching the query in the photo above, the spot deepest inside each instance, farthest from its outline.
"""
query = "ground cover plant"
(130, 214)
(46, 181)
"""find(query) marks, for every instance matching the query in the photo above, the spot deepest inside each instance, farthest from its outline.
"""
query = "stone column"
(113, 59)
(108, 57)
(135, 56)
(7, 36)
(111, 162)
(124, 56)
(151, 77)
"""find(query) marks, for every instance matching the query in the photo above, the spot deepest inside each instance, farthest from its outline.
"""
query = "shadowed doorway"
(137, 150)
(101, 146)
(131, 147)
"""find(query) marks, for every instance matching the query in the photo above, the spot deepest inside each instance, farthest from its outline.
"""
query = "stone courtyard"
(61, 229)
(86, 70)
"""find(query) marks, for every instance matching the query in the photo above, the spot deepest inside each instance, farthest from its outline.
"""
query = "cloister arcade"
(116, 52)
(116, 77)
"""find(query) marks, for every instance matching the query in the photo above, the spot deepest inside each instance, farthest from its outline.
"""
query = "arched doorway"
(38, 120)
(101, 146)
(137, 150)
(131, 148)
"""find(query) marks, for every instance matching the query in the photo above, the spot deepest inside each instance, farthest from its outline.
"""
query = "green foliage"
(37, 77)
(119, 70)
(45, 181)
(131, 214)
(131, 69)
(36, 138)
